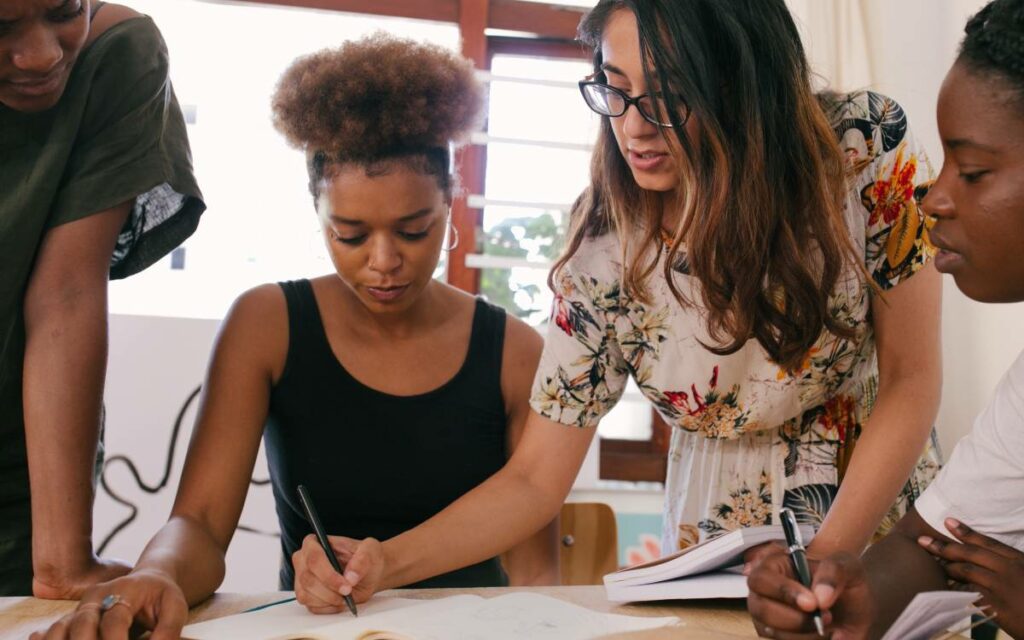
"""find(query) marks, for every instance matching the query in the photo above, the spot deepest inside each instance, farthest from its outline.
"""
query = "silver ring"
(112, 600)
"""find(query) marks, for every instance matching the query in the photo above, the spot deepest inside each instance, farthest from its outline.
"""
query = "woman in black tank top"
(387, 393)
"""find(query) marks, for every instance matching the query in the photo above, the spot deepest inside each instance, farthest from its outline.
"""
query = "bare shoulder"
(257, 324)
(520, 356)
(108, 16)
(521, 337)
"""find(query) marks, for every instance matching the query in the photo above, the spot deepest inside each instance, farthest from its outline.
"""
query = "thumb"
(831, 578)
(363, 562)
(171, 615)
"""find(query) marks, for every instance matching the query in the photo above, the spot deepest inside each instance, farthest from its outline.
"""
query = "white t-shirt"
(983, 483)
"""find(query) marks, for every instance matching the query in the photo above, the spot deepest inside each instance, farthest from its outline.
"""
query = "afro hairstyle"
(377, 97)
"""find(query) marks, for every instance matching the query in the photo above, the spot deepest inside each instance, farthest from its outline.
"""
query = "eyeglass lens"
(610, 102)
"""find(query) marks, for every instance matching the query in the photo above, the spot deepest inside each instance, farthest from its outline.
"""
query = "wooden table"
(703, 619)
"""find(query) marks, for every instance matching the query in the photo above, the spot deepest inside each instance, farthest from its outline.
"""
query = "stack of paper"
(932, 612)
(464, 617)
(707, 570)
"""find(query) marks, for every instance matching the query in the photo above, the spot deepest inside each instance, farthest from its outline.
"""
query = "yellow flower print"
(689, 535)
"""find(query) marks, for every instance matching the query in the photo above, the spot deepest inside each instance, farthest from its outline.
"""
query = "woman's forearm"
(65, 361)
(493, 517)
(503, 511)
(186, 552)
(889, 446)
(535, 561)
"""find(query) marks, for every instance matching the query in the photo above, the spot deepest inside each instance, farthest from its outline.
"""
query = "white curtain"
(838, 41)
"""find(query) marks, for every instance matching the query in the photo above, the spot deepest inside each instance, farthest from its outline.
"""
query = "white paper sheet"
(465, 617)
(930, 613)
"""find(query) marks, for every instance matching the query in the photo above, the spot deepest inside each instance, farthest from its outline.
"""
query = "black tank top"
(377, 464)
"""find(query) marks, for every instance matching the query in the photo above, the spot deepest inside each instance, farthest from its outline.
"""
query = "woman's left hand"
(994, 569)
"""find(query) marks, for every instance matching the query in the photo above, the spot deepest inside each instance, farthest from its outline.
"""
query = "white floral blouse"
(748, 438)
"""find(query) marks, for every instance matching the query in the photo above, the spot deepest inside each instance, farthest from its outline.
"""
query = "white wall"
(155, 363)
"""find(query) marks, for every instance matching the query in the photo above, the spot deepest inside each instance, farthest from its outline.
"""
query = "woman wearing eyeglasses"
(745, 253)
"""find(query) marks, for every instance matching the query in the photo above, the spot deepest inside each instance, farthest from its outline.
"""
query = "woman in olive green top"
(95, 183)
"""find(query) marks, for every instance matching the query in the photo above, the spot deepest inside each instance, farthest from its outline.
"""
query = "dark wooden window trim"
(538, 19)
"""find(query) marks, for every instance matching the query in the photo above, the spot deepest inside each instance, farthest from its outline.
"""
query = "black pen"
(798, 555)
(318, 529)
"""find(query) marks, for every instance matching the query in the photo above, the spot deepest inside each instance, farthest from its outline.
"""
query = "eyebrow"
(961, 143)
(416, 215)
(607, 66)
(61, 5)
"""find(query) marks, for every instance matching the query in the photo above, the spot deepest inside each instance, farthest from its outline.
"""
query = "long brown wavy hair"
(760, 193)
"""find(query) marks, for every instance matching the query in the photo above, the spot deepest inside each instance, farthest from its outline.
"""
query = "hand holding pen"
(784, 606)
(798, 556)
(318, 530)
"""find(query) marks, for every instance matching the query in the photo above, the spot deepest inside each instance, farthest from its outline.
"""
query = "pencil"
(318, 529)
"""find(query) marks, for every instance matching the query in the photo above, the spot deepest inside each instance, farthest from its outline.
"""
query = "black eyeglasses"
(609, 101)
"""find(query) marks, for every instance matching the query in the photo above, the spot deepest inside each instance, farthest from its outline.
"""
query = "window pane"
(631, 417)
(522, 292)
(541, 111)
(527, 173)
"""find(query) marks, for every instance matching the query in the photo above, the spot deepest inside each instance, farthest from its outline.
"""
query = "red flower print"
(561, 313)
(840, 414)
(697, 398)
(678, 398)
(890, 194)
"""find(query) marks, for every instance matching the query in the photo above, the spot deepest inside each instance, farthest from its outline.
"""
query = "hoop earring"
(454, 236)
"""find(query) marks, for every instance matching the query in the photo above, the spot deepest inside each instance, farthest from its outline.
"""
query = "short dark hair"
(994, 43)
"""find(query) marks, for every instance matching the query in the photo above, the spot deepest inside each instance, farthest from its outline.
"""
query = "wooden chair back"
(589, 542)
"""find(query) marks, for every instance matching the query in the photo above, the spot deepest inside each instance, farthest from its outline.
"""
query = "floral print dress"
(748, 438)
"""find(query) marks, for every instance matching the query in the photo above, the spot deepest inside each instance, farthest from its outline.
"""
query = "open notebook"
(462, 617)
(931, 613)
(710, 569)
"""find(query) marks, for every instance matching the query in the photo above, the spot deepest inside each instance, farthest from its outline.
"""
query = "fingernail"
(352, 577)
(824, 593)
(925, 541)
(746, 568)
(345, 590)
(806, 600)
